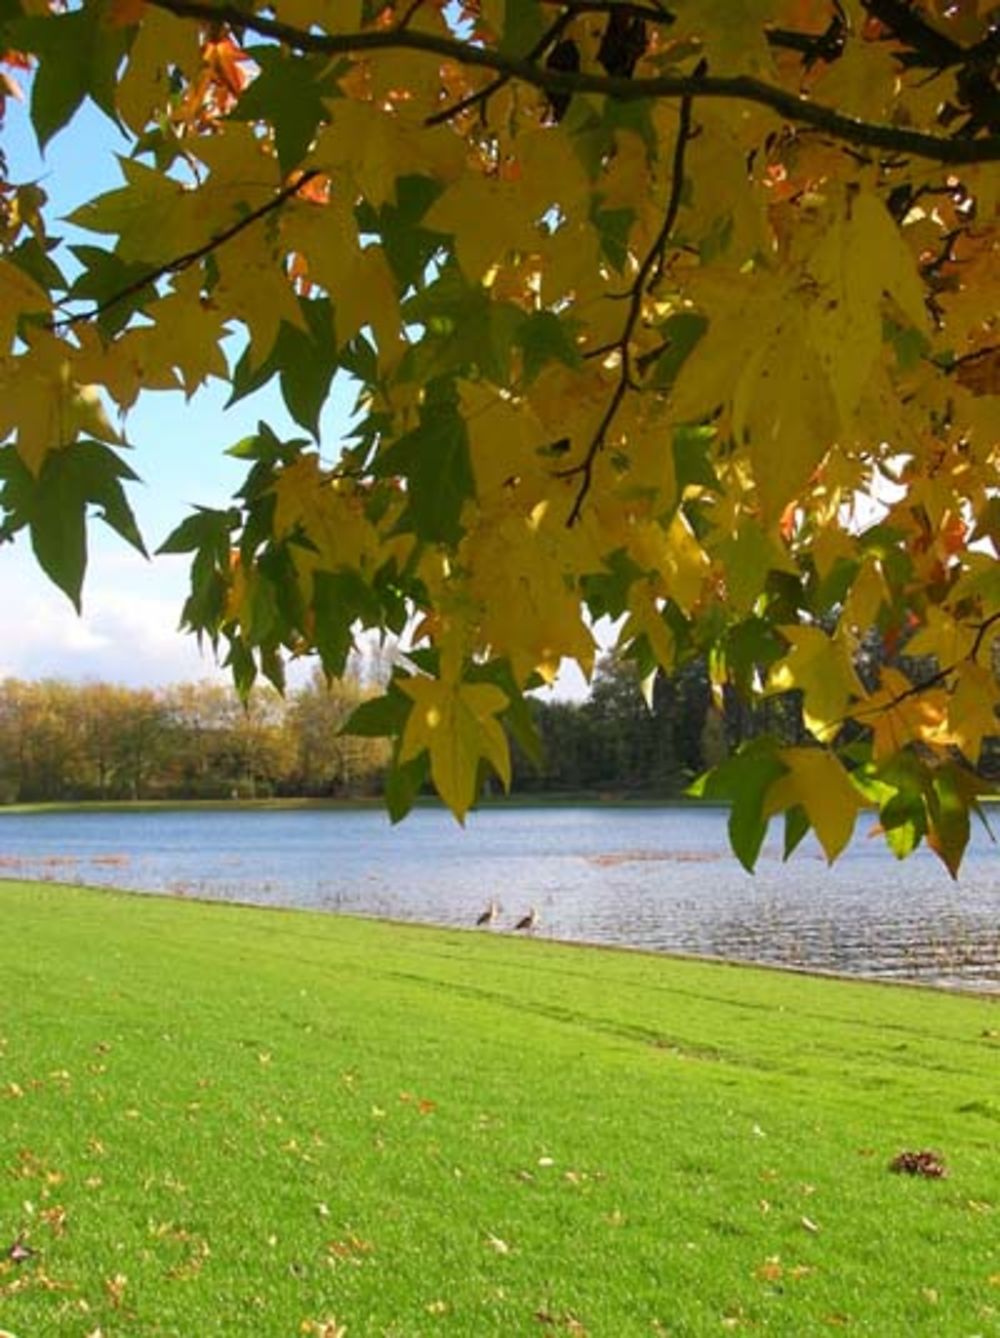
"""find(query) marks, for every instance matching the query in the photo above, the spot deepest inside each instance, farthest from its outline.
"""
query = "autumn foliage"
(683, 316)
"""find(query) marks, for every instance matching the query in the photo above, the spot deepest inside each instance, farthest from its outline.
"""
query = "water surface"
(654, 878)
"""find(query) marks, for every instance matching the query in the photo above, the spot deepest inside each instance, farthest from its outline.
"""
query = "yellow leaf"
(820, 666)
(817, 782)
(866, 597)
(784, 411)
(487, 217)
(898, 715)
(972, 708)
(747, 558)
(676, 557)
(941, 636)
(330, 511)
(530, 612)
(456, 723)
(44, 404)
(645, 620)
(18, 295)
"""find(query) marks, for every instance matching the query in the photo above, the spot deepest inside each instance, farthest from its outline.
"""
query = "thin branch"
(404, 22)
(189, 258)
(550, 35)
(740, 88)
(649, 270)
(938, 678)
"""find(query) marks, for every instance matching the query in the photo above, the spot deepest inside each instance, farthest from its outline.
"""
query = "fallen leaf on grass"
(495, 1243)
(323, 1328)
(926, 1162)
(566, 1320)
(350, 1249)
(436, 1307)
(771, 1270)
(808, 1224)
(54, 1218)
(115, 1288)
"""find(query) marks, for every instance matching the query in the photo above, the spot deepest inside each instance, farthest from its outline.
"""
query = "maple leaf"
(821, 668)
(670, 353)
(456, 724)
(816, 781)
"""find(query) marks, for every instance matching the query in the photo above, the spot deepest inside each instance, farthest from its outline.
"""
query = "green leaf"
(681, 334)
(289, 93)
(381, 718)
(464, 330)
(204, 529)
(543, 338)
(404, 783)
(949, 795)
(434, 459)
(340, 599)
(613, 228)
(33, 259)
(744, 780)
(524, 23)
(106, 275)
(304, 362)
(796, 825)
(243, 665)
(408, 247)
(692, 446)
(79, 55)
(904, 821)
(54, 506)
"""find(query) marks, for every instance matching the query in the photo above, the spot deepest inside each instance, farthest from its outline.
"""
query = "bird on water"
(489, 914)
(529, 921)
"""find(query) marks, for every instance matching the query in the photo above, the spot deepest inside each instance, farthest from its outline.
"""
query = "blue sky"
(128, 631)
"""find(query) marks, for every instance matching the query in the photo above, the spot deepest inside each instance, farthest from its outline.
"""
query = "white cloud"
(127, 633)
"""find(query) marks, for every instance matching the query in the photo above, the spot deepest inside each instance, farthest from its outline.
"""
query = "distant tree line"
(78, 741)
(62, 740)
(69, 741)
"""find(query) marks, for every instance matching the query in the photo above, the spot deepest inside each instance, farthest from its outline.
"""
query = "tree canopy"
(679, 313)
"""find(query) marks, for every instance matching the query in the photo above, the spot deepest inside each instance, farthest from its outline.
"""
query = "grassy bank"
(216, 1120)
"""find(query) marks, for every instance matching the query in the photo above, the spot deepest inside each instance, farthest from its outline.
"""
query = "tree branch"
(939, 678)
(740, 88)
(651, 266)
(551, 34)
(189, 258)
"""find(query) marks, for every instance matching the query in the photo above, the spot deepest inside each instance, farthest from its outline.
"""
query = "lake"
(653, 878)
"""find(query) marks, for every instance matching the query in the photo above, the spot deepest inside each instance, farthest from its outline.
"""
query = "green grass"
(217, 1120)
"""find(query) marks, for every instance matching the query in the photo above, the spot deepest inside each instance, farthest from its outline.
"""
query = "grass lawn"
(217, 1120)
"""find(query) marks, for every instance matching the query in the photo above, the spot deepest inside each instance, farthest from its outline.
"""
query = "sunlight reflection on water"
(653, 878)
